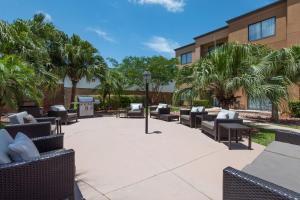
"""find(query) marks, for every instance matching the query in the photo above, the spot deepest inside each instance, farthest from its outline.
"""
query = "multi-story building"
(276, 25)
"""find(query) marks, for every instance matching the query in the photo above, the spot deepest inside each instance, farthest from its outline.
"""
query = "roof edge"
(182, 47)
(256, 10)
(208, 33)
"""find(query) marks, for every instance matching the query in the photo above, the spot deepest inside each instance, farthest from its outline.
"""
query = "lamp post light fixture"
(147, 78)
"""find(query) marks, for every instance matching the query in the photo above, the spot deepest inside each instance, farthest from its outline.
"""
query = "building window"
(262, 29)
(186, 58)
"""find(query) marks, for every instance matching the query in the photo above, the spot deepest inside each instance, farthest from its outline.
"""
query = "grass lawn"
(264, 137)
(289, 126)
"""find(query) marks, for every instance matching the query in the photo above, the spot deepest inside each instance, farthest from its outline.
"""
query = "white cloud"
(102, 34)
(170, 5)
(48, 17)
(161, 45)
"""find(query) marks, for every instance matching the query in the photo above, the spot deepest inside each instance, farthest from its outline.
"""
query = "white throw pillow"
(135, 106)
(5, 140)
(22, 149)
(231, 114)
(58, 108)
(161, 105)
(17, 118)
(197, 109)
(222, 115)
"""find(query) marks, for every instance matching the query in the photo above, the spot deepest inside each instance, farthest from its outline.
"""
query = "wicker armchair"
(189, 118)
(66, 116)
(50, 177)
(244, 185)
(161, 111)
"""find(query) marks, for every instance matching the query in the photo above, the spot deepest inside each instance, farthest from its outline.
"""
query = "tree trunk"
(275, 115)
(73, 93)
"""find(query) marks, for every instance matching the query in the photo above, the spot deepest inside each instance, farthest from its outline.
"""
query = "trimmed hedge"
(204, 102)
(117, 102)
(294, 107)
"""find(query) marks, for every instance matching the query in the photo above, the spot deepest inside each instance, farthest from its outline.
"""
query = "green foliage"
(163, 71)
(17, 81)
(259, 71)
(206, 103)
(294, 107)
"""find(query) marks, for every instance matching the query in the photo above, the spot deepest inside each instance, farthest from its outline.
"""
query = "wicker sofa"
(189, 118)
(49, 177)
(274, 174)
(211, 125)
(44, 126)
(156, 111)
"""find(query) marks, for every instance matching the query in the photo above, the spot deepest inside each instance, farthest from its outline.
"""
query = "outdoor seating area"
(107, 101)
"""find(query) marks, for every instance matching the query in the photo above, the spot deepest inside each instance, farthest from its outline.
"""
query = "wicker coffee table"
(237, 129)
(169, 117)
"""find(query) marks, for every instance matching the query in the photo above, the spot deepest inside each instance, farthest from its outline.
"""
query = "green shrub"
(124, 101)
(204, 102)
(294, 107)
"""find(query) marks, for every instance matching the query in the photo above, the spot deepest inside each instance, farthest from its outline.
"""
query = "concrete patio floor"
(116, 160)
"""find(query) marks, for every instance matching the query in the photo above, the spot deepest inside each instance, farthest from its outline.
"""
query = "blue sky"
(119, 28)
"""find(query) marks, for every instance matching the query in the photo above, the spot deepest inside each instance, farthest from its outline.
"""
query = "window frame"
(186, 58)
(261, 29)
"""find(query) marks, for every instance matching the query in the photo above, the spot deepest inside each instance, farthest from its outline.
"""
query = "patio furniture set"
(272, 175)
(223, 125)
(33, 161)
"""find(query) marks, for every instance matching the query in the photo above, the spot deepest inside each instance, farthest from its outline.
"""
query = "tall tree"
(225, 71)
(81, 61)
(163, 72)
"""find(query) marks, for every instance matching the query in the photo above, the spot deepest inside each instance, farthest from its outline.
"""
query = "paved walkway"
(116, 160)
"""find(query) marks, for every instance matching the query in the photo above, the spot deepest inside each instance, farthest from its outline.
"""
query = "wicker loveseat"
(139, 112)
(211, 125)
(49, 177)
(162, 109)
(44, 126)
(274, 174)
(188, 117)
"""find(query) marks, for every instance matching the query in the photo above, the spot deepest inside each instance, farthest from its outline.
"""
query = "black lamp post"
(147, 78)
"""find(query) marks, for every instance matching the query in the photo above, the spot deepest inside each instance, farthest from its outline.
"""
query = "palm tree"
(81, 61)
(281, 69)
(112, 84)
(225, 71)
(17, 81)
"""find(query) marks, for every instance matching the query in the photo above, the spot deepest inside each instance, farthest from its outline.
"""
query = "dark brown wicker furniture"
(35, 111)
(136, 113)
(66, 116)
(169, 117)
(31, 130)
(189, 118)
(234, 129)
(273, 175)
(212, 127)
(50, 177)
(121, 113)
(161, 111)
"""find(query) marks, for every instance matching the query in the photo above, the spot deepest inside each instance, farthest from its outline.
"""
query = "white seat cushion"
(22, 149)
(5, 140)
